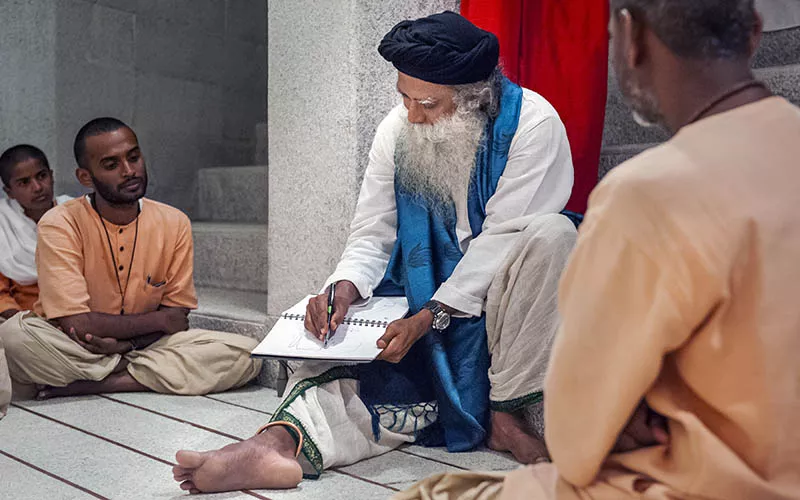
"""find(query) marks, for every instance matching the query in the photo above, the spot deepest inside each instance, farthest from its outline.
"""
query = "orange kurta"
(683, 288)
(16, 296)
(77, 272)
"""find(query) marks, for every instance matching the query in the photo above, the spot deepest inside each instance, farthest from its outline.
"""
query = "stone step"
(230, 255)
(234, 311)
(613, 156)
(232, 194)
(620, 129)
(778, 48)
(239, 312)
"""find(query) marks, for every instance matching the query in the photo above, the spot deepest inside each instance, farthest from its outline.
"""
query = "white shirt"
(537, 179)
(18, 234)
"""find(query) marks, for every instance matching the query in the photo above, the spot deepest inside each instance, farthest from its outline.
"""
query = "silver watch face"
(441, 321)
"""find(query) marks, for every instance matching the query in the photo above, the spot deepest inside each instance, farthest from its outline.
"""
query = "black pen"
(331, 293)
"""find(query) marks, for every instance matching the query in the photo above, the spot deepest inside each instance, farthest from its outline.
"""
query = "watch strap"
(434, 307)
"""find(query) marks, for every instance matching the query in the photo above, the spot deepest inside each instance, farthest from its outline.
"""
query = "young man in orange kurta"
(116, 286)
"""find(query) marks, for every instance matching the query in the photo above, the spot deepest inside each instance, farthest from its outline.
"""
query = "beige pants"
(5, 379)
(193, 362)
(538, 482)
(522, 311)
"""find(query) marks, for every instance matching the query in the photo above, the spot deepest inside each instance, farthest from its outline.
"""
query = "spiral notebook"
(354, 341)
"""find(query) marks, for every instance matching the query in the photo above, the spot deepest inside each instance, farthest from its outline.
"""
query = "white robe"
(519, 244)
(538, 178)
(18, 242)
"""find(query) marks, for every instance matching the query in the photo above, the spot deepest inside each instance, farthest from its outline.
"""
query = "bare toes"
(181, 471)
(188, 486)
(190, 459)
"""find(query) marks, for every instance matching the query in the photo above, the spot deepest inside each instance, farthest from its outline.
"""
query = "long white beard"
(435, 162)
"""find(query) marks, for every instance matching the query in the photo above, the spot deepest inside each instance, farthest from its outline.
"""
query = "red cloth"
(559, 49)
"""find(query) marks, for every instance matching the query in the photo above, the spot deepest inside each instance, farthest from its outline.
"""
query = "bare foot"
(509, 432)
(115, 382)
(265, 461)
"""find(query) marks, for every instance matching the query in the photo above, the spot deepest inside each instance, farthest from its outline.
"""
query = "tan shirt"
(684, 287)
(16, 296)
(77, 272)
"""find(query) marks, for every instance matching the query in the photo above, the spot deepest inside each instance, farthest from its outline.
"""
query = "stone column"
(328, 88)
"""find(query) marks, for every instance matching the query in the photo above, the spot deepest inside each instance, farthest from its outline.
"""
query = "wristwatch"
(441, 319)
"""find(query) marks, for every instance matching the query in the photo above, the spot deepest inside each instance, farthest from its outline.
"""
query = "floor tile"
(397, 467)
(404, 486)
(90, 462)
(141, 430)
(331, 486)
(482, 459)
(20, 481)
(153, 427)
(209, 413)
(255, 397)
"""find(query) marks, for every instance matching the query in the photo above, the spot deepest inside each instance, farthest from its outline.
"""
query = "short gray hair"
(697, 29)
(480, 96)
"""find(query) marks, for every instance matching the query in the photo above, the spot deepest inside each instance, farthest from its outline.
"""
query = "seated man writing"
(116, 287)
(458, 212)
(28, 183)
(680, 301)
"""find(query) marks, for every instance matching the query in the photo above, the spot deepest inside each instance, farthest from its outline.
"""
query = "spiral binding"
(347, 321)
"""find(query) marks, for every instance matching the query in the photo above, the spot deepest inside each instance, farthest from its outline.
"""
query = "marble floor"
(123, 446)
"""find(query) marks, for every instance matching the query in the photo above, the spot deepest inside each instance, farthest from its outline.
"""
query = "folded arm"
(164, 321)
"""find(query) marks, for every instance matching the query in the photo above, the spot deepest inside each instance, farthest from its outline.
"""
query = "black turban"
(443, 48)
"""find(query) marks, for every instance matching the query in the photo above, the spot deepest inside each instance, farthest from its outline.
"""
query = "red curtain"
(558, 48)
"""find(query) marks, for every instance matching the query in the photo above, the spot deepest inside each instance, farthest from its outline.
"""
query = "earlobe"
(84, 178)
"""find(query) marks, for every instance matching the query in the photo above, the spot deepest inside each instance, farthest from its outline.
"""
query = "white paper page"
(351, 342)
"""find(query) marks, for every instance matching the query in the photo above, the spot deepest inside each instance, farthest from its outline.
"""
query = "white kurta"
(538, 178)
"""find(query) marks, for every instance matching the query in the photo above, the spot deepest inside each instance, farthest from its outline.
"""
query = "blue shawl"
(450, 368)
